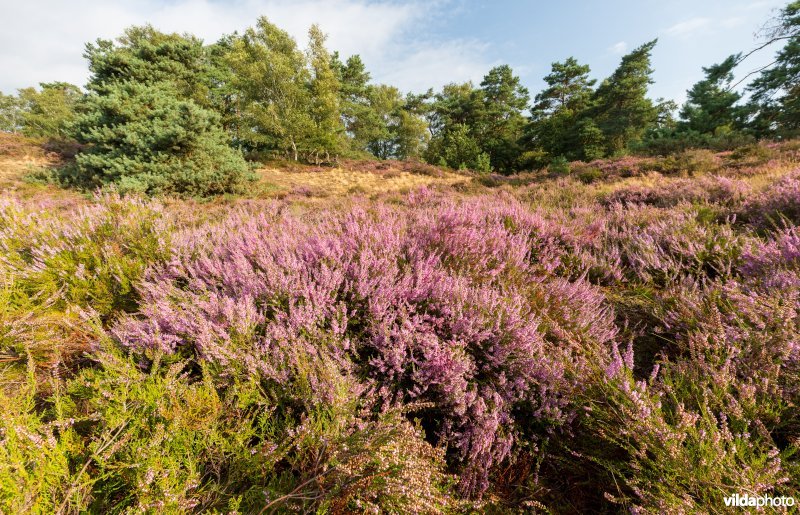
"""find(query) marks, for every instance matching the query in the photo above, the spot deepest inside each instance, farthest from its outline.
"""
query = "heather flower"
(451, 303)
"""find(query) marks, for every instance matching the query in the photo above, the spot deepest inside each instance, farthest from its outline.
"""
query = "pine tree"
(558, 125)
(776, 91)
(502, 122)
(622, 110)
(711, 105)
(144, 124)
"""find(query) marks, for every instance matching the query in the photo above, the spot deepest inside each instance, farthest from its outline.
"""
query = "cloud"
(618, 48)
(687, 27)
(436, 65)
(48, 36)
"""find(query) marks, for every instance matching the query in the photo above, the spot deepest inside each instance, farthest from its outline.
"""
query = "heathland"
(391, 336)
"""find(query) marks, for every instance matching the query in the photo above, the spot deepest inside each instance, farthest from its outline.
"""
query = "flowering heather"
(777, 204)
(447, 303)
(775, 262)
(623, 341)
(710, 189)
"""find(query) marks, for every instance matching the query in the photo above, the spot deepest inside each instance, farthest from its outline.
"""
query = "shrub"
(722, 191)
(443, 303)
(689, 162)
(57, 267)
(559, 166)
(144, 139)
(777, 204)
(589, 175)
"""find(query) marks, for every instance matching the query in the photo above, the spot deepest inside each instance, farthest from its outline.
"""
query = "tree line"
(165, 113)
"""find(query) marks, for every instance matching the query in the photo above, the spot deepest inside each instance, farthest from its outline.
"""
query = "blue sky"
(413, 44)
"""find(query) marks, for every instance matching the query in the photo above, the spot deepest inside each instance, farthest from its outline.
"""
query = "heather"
(542, 343)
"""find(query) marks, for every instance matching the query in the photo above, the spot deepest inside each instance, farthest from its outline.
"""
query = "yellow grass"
(335, 182)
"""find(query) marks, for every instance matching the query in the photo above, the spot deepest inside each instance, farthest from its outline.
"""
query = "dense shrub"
(777, 204)
(57, 267)
(145, 139)
(448, 304)
(713, 189)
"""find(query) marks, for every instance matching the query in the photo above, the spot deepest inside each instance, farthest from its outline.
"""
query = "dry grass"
(352, 178)
(20, 156)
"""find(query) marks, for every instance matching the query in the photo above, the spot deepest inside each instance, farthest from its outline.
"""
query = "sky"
(415, 44)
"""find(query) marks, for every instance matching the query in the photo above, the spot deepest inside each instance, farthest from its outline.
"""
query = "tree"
(569, 89)
(271, 77)
(456, 104)
(224, 97)
(48, 113)
(147, 56)
(324, 92)
(456, 148)
(354, 99)
(501, 122)
(621, 109)
(144, 124)
(558, 124)
(391, 129)
(776, 91)
(711, 105)
(491, 116)
(10, 113)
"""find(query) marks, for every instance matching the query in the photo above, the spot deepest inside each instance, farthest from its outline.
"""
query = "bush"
(778, 204)
(443, 303)
(57, 270)
(689, 162)
(144, 139)
(559, 166)
(589, 175)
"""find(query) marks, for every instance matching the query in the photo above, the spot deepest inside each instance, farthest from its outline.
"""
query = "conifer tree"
(558, 119)
(144, 123)
(622, 110)
(776, 91)
(711, 105)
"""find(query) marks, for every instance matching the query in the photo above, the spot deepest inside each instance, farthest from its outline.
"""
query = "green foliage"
(710, 105)
(621, 108)
(776, 91)
(501, 122)
(144, 123)
(146, 56)
(10, 113)
(324, 94)
(49, 113)
(387, 126)
(491, 116)
(558, 119)
(145, 139)
(456, 148)
(55, 272)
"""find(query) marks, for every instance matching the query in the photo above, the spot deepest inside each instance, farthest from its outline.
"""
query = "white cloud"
(618, 48)
(436, 65)
(688, 26)
(44, 40)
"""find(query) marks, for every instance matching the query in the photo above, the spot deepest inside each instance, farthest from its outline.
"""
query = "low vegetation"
(541, 343)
